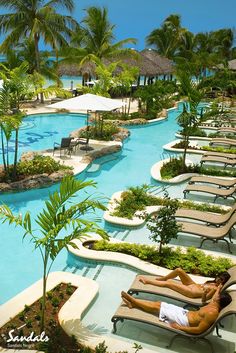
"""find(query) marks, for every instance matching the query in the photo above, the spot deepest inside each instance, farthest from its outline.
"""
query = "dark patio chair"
(85, 144)
(65, 146)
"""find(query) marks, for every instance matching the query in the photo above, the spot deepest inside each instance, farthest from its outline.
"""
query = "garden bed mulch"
(27, 324)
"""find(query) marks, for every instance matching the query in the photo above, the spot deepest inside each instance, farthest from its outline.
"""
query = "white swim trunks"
(171, 313)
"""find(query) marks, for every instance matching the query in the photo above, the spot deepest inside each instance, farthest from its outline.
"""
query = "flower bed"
(54, 339)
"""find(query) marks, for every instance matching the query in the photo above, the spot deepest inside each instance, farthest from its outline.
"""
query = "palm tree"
(36, 19)
(167, 39)
(223, 40)
(95, 39)
(59, 223)
(17, 86)
(188, 119)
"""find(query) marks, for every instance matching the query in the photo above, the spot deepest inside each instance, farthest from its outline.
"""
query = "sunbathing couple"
(192, 322)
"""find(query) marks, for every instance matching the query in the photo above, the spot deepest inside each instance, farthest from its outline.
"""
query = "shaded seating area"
(220, 160)
(224, 193)
(214, 234)
(137, 315)
(65, 146)
(209, 218)
(222, 183)
(223, 141)
(139, 287)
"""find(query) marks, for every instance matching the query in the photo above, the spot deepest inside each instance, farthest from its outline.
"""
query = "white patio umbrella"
(88, 102)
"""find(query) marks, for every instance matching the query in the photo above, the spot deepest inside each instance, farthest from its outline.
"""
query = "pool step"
(154, 190)
(116, 234)
(98, 272)
(125, 234)
(84, 274)
(95, 167)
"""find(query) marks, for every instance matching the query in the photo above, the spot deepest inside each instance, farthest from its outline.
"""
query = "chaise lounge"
(223, 141)
(225, 193)
(209, 218)
(220, 160)
(124, 313)
(139, 287)
(222, 183)
(226, 130)
(219, 154)
(214, 234)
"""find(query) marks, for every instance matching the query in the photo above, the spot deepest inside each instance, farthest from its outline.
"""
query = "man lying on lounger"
(192, 322)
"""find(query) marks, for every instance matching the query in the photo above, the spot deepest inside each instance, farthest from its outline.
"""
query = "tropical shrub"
(192, 260)
(38, 165)
(163, 226)
(153, 98)
(108, 131)
(173, 167)
(132, 200)
(137, 198)
(196, 131)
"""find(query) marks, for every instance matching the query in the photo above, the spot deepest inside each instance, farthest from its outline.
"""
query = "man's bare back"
(198, 321)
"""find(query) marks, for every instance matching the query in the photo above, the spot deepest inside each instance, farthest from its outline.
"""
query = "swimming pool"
(139, 153)
(40, 131)
(21, 265)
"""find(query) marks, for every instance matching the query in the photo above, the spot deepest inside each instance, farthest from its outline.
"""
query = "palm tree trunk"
(43, 308)
(16, 154)
(129, 102)
(186, 142)
(37, 59)
(3, 154)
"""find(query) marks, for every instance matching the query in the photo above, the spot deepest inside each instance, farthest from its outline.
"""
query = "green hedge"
(137, 198)
(196, 131)
(192, 261)
(174, 167)
(219, 149)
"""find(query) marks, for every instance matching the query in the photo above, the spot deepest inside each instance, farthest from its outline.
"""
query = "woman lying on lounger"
(192, 322)
(187, 286)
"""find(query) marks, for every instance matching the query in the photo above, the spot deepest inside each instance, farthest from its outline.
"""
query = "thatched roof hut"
(68, 69)
(163, 65)
(149, 63)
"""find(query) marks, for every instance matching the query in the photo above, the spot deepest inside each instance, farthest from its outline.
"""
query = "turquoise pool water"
(21, 265)
(40, 131)
(20, 262)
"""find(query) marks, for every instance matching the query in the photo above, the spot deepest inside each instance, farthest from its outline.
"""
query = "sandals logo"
(15, 340)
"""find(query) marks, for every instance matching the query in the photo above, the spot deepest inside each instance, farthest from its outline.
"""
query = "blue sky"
(137, 18)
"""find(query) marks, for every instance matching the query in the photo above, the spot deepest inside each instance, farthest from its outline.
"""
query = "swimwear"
(171, 313)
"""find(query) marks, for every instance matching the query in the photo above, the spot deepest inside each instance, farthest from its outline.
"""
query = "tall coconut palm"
(36, 19)
(223, 40)
(168, 37)
(95, 38)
